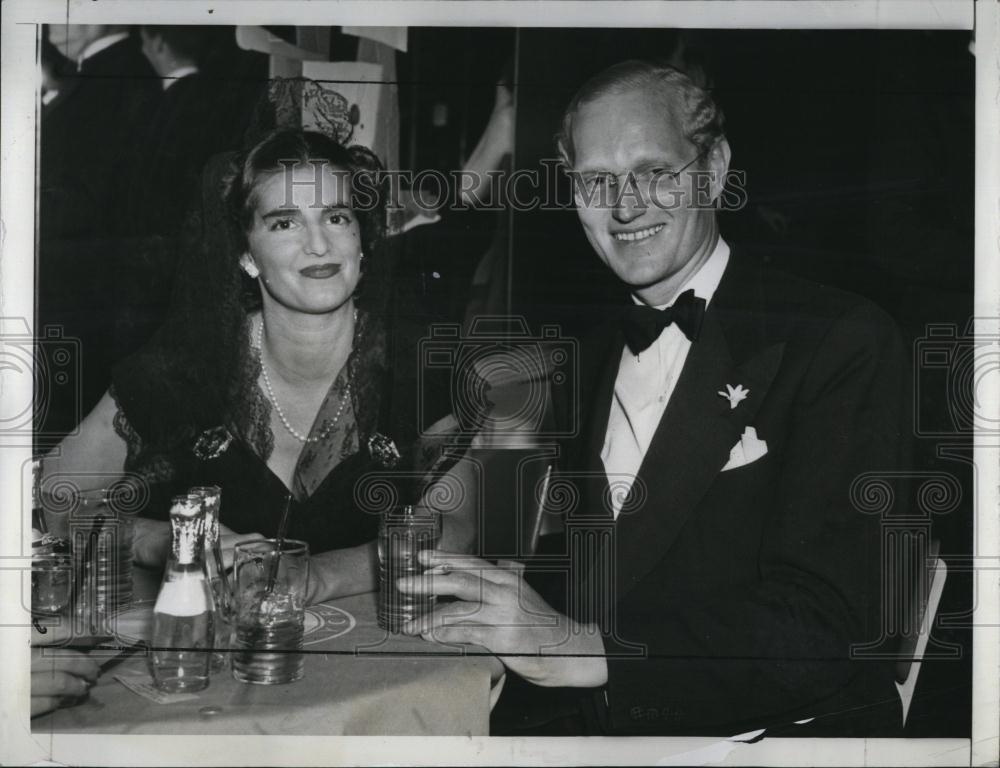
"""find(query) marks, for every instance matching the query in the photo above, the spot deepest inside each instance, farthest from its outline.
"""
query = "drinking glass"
(403, 533)
(99, 524)
(51, 583)
(269, 591)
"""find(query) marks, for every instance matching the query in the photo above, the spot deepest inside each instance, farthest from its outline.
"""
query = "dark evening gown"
(334, 504)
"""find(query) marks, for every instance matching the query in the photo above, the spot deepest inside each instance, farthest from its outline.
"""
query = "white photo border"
(19, 88)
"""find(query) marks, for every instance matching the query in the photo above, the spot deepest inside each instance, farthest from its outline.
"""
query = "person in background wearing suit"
(186, 128)
(161, 179)
(100, 106)
(719, 572)
(103, 99)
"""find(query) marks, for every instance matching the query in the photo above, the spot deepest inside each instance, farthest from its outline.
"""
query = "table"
(359, 680)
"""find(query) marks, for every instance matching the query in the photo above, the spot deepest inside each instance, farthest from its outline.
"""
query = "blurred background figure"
(55, 68)
(103, 89)
(102, 100)
(188, 124)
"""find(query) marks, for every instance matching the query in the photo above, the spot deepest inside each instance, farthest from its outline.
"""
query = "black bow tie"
(643, 325)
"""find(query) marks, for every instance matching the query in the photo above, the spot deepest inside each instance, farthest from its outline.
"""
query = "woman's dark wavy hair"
(191, 376)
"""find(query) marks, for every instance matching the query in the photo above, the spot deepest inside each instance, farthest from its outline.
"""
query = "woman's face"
(305, 239)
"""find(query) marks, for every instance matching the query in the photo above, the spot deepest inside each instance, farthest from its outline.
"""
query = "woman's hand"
(499, 611)
(342, 572)
(228, 540)
(59, 677)
(151, 543)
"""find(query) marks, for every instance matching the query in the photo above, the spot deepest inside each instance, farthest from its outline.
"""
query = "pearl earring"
(361, 255)
(251, 270)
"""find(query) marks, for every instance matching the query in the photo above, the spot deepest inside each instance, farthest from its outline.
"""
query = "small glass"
(269, 592)
(51, 583)
(99, 525)
(403, 533)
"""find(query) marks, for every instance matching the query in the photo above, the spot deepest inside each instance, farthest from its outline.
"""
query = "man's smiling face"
(653, 237)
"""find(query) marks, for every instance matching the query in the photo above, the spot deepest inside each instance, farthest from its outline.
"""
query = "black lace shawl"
(197, 378)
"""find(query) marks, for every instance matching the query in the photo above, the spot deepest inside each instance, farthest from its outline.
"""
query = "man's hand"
(59, 681)
(499, 611)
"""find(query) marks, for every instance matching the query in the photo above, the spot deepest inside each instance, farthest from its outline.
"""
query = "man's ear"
(152, 40)
(718, 164)
(247, 265)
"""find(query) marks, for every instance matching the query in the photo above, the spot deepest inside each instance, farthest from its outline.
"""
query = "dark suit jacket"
(82, 134)
(192, 120)
(730, 600)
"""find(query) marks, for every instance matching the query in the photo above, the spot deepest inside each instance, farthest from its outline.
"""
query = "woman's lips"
(320, 271)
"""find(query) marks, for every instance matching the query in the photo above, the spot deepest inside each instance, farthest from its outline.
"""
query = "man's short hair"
(701, 119)
(191, 42)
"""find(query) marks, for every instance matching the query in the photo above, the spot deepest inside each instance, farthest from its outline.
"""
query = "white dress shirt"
(174, 75)
(645, 383)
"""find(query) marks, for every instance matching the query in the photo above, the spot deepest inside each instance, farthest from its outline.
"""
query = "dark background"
(858, 149)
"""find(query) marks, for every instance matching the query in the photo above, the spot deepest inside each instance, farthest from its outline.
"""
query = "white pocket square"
(747, 450)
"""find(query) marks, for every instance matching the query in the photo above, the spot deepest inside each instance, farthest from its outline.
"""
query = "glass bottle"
(183, 617)
(211, 501)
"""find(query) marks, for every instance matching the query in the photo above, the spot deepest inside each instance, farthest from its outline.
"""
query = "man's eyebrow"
(587, 171)
(642, 164)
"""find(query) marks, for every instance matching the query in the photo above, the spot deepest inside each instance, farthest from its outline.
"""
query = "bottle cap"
(185, 505)
(211, 499)
(187, 521)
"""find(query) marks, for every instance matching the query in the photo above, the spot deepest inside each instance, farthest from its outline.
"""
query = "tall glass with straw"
(270, 578)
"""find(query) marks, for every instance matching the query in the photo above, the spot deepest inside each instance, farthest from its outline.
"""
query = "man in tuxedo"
(719, 572)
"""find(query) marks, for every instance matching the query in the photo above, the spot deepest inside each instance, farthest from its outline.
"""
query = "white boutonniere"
(735, 395)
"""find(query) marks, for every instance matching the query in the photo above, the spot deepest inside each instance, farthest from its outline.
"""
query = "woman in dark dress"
(275, 376)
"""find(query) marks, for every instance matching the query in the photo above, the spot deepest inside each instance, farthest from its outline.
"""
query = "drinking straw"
(543, 500)
(227, 594)
(36, 496)
(272, 576)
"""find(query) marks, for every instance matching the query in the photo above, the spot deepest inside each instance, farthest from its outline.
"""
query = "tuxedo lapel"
(697, 431)
(600, 357)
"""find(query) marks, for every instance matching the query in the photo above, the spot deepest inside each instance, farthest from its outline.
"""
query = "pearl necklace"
(277, 408)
